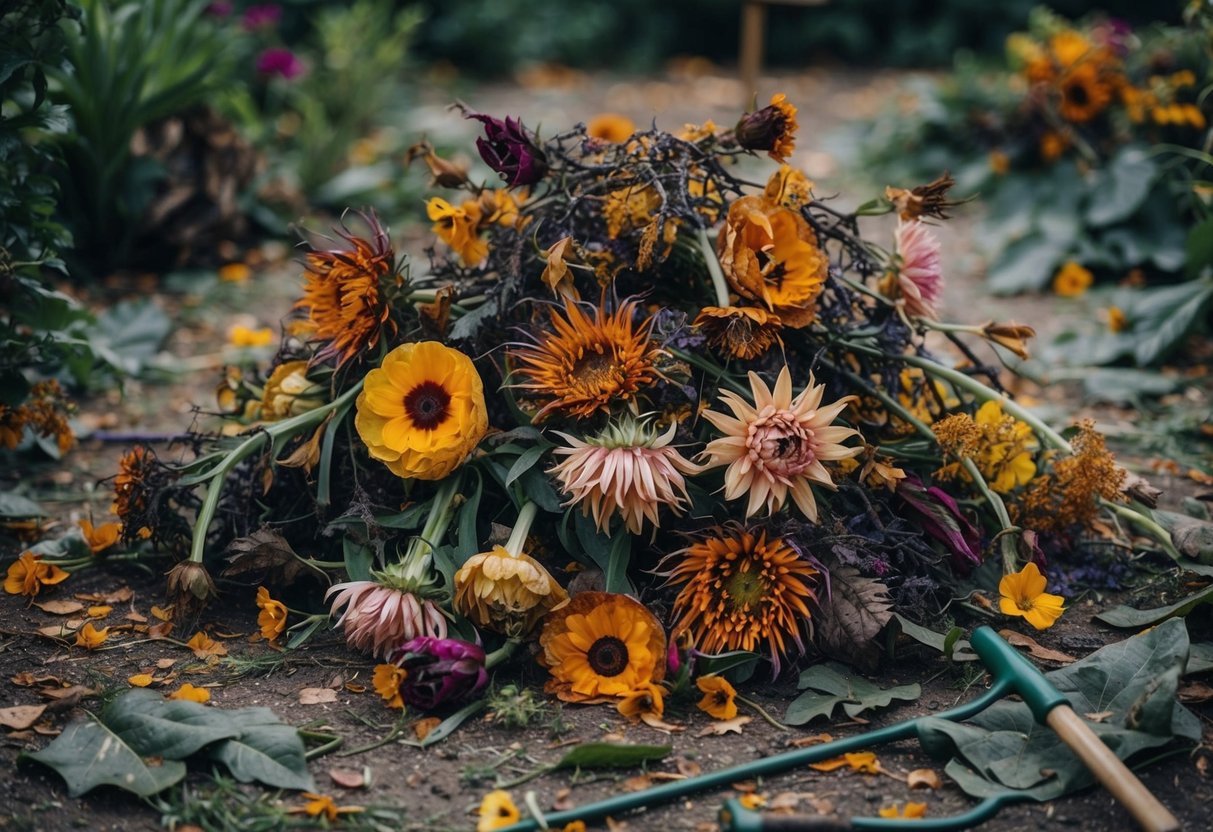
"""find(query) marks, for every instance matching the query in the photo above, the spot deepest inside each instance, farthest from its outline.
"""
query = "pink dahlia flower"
(378, 619)
(920, 272)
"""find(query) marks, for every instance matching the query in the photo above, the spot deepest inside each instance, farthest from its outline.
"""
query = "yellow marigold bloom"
(773, 129)
(628, 470)
(775, 447)
(1118, 321)
(386, 682)
(770, 255)
(601, 645)
(235, 272)
(189, 693)
(459, 228)
(589, 363)
(719, 698)
(90, 638)
(610, 127)
(497, 811)
(101, 537)
(1084, 94)
(629, 208)
(1072, 280)
(506, 593)
(911, 810)
(345, 293)
(741, 590)
(243, 336)
(28, 574)
(272, 616)
(1023, 595)
(1005, 458)
(646, 700)
(789, 188)
(422, 411)
(289, 392)
(743, 332)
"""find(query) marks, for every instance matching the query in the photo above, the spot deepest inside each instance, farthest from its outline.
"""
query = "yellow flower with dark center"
(719, 698)
(289, 392)
(601, 645)
(589, 362)
(506, 593)
(243, 336)
(770, 255)
(741, 590)
(386, 682)
(1072, 280)
(497, 810)
(743, 332)
(28, 574)
(1084, 94)
(272, 616)
(422, 412)
(645, 701)
(101, 537)
(345, 294)
(610, 127)
(1023, 595)
(459, 228)
(773, 129)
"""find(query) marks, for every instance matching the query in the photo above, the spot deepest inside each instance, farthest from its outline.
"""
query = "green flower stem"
(762, 713)
(421, 548)
(1142, 521)
(273, 432)
(713, 264)
(521, 529)
(501, 654)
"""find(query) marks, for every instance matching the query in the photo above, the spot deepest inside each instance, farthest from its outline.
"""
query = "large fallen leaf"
(1130, 618)
(853, 613)
(1004, 750)
(20, 717)
(60, 606)
(87, 755)
(267, 751)
(828, 685)
(720, 727)
(317, 696)
(173, 729)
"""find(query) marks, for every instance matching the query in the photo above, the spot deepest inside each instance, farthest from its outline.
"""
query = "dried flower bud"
(507, 148)
(190, 588)
(1011, 336)
(773, 129)
(440, 671)
(445, 173)
(930, 200)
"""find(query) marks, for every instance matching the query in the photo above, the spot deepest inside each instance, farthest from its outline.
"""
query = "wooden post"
(753, 32)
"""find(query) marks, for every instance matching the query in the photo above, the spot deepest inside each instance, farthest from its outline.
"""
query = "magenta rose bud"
(278, 61)
(440, 671)
(507, 148)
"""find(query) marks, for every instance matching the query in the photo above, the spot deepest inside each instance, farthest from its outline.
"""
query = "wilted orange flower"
(911, 810)
(459, 228)
(505, 592)
(789, 188)
(773, 129)
(345, 293)
(556, 274)
(322, 804)
(589, 363)
(610, 127)
(629, 208)
(929, 200)
(497, 810)
(90, 638)
(743, 332)
(101, 537)
(1023, 595)
(770, 255)
(289, 392)
(387, 681)
(204, 646)
(646, 700)
(28, 574)
(140, 680)
(719, 698)
(861, 761)
(189, 693)
(242, 336)
(272, 617)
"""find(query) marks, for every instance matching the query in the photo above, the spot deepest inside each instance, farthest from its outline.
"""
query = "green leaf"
(612, 755)
(1132, 619)
(1003, 750)
(447, 727)
(526, 460)
(411, 518)
(87, 755)
(953, 647)
(833, 684)
(1200, 658)
(617, 564)
(129, 334)
(173, 729)
(1174, 323)
(14, 505)
(358, 559)
(1198, 249)
(468, 540)
(1121, 187)
(267, 751)
(1026, 264)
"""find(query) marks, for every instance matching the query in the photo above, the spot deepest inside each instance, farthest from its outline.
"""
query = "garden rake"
(1013, 674)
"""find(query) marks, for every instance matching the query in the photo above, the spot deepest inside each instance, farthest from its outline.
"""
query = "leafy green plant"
(128, 64)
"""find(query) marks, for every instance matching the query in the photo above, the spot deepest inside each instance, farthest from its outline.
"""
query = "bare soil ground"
(438, 789)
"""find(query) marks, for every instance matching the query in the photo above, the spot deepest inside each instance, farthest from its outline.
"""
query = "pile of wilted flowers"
(638, 410)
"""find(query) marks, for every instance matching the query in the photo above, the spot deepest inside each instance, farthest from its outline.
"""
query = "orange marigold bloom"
(741, 590)
(28, 574)
(344, 294)
(770, 255)
(743, 332)
(589, 363)
(272, 616)
(101, 537)
(610, 127)
(719, 698)
(1072, 280)
(1084, 94)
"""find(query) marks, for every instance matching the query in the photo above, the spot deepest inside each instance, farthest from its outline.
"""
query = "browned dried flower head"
(929, 200)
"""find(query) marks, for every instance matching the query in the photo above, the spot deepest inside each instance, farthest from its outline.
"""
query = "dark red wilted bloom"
(278, 61)
(507, 148)
(261, 16)
(440, 671)
(940, 517)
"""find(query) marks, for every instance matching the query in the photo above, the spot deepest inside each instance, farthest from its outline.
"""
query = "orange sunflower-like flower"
(627, 470)
(601, 645)
(345, 293)
(1084, 93)
(770, 255)
(422, 412)
(743, 332)
(776, 446)
(589, 362)
(741, 590)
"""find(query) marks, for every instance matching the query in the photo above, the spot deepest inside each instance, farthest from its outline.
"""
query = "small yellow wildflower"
(235, 272)
(1072, 280)
(272, 618)
(1023, 595)
(497, 810)
(719, 698)
(243, 336)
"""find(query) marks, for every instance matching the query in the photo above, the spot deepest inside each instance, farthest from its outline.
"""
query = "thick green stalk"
(521, 529)
(421, 549)
(713, 264)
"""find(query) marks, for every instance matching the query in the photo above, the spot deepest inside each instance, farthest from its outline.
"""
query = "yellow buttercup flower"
(497, 810)
(243, 336)
(506, 593)
(1023, 595)
(272, 618)
(1072, 280)
(719, 698)
(422, 412)
(601, 645)
(459, 228)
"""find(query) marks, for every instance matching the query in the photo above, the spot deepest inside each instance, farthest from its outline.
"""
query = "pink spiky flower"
(378, 618)
(920, 269)
(628, 469)
(776, 446)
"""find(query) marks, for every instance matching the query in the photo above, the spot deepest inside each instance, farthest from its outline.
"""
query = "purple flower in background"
(262, 16)
(440, 671)
(220, 8)
(279, 61)
(939, 516)
(508, 149)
